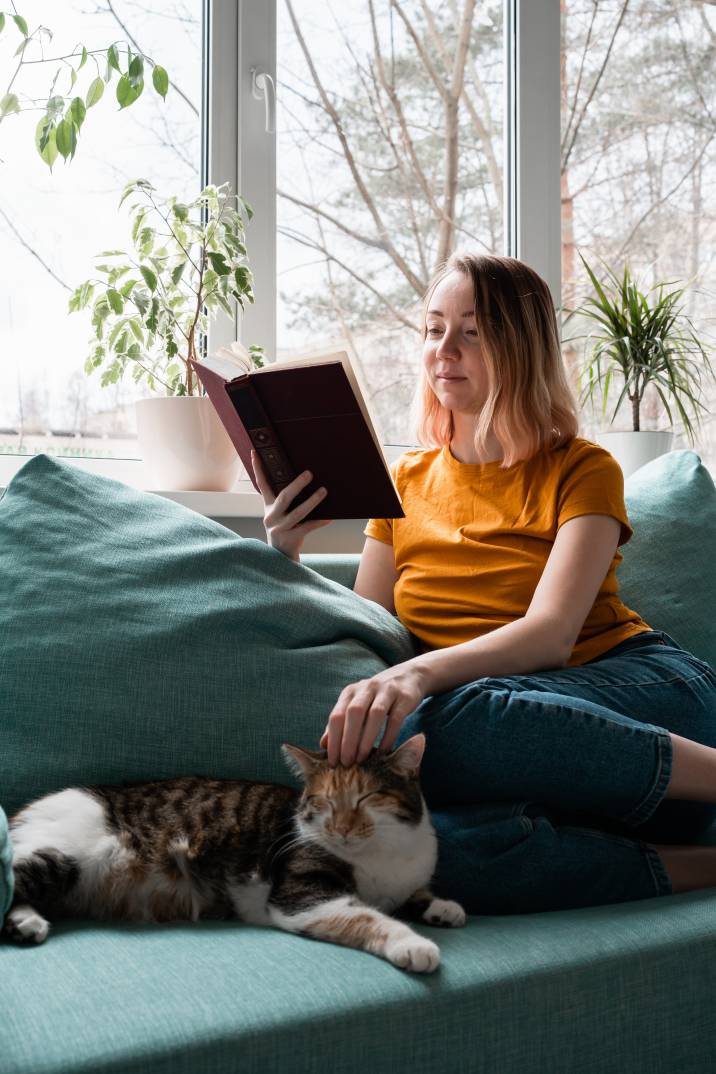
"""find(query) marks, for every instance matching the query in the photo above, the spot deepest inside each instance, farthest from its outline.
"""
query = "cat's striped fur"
(331, 862)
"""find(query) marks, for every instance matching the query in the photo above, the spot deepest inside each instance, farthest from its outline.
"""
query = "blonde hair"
(530, 404)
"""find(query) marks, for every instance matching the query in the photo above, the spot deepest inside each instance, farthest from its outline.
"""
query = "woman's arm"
(377, 575)
(542, 639)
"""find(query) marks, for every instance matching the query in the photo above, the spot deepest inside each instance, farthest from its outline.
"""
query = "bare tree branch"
(365, 239)
(483, 130)
(417, 284)
(597, 80)
(32, 250)
(666, 196)
(452, 104)
(304, 240)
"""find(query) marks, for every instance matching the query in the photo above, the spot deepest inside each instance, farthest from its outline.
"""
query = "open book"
(305, 414)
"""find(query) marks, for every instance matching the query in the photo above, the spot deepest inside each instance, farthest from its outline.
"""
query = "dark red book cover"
(307, 417)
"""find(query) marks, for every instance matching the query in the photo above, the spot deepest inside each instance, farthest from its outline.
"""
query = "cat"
(331, 862)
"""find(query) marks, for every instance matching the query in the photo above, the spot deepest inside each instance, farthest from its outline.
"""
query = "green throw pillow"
(140, 640)
(668, 574)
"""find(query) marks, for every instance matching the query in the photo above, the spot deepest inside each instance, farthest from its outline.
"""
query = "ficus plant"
(151, 305)
(641, 338)
(65, 109)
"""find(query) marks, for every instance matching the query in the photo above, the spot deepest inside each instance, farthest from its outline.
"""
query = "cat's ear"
(406, 759)
(302, 762)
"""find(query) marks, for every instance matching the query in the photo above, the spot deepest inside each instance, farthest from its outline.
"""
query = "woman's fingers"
(354, 725)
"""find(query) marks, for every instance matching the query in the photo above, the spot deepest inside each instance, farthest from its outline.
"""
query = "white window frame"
(239, 37)
(242, 37)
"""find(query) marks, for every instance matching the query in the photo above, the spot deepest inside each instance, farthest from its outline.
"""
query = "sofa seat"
(613, 988)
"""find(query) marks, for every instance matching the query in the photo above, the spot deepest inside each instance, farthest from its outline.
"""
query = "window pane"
(369, 199)
(53, 224)
(639, 172)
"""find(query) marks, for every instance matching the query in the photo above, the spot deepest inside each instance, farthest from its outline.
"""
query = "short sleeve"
(382, 528)
(592, 483)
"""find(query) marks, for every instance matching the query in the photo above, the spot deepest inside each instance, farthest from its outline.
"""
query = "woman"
(570, 748)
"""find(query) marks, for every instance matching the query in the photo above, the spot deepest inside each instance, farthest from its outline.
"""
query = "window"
(53, 224)
(638, 182)
(381, 170)
(355, 192)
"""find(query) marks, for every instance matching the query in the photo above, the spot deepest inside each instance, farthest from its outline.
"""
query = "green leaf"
(66, 138)
(141, 300)
(21, 24)
(177, 272)
(83, 61)
(45, 141)
(127, 288)
(55, 107)
(243, 278)
(146, 239)
(113, 58)
(136, 330)
(218, 263)
(149, 277)
(135, 74)
(78, 111)
(2, 21)
(115, 300)
(128, 93)
(160, 81)
(94, 92)
(9, 104)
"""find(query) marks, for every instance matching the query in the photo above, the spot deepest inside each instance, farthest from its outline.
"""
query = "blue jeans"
(545, 789)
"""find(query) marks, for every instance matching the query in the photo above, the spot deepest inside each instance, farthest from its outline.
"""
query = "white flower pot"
(184, 445)
(633, 450)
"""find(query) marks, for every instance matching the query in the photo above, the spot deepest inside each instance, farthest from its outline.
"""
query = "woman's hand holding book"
(284, 527)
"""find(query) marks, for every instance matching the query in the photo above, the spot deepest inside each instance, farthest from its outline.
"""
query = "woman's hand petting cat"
(362, 709)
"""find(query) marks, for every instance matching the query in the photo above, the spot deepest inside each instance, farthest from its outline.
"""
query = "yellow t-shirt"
(475, 540)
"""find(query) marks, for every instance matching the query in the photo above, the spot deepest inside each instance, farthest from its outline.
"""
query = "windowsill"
(242, 502)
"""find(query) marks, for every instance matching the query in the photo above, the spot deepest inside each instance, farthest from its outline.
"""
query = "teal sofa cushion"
(668, 574)
(624, 989)
(140, 640)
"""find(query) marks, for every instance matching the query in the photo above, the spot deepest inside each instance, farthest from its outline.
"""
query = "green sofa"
(138, 639)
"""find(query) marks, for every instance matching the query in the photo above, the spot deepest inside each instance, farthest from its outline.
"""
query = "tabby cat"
(330, 862)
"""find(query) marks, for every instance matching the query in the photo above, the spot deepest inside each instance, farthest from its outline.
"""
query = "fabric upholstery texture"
(140, 640)
(668, 573)
(137, 638)
(625, 989)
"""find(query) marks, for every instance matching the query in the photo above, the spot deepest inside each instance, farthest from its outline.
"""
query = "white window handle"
(262, 85)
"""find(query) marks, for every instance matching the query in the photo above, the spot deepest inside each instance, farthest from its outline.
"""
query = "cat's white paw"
(445, 912)
(25, 925)
(413, 953)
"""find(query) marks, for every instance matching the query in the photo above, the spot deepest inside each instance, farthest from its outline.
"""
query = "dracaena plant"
(152, 304)
(77, 85)
(641, 340)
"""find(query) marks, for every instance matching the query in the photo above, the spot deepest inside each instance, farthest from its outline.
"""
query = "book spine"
(261, 432)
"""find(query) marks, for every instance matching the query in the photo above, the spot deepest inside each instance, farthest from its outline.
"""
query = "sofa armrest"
(338, 566)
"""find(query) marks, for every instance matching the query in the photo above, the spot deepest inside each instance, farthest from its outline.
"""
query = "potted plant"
(640, 341)
(150, 312)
